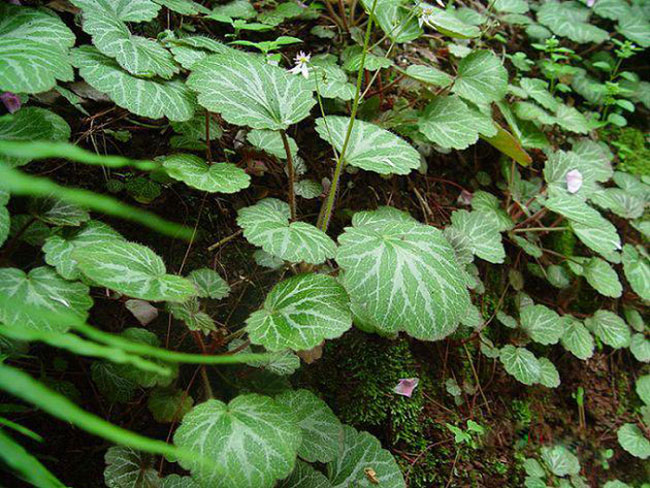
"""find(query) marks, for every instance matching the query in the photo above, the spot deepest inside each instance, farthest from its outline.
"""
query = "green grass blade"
(19, 460)
(77, 345)
(164, 354)
(48, 149)
(19, 183)
(32, 391)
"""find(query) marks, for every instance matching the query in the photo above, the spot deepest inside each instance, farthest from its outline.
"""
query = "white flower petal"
(406, 386)
(573, 181)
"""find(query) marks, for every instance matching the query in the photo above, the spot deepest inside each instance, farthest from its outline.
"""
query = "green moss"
(632, 148)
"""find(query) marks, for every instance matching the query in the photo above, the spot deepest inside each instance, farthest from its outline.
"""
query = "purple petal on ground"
(11, 101)
(406, 386)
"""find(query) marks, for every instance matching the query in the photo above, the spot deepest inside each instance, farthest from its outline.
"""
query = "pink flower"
(573, 181)
(590, 3)
(406, 386)
(11, 101)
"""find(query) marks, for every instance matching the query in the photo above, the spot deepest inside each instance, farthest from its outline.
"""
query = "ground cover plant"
(331, 243)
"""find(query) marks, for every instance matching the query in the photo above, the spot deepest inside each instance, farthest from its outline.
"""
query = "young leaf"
(537, 89)
(194, 317)
(610, 328)
(542, 324)
(636, 267)
(110, 381)
(481, 78)
(577, 339)
(560, 461)
(402, 275)
(266, 224)
(602, 277)
(126, 468)
(247, 91)
(570, 119)
(482, 231)
(370, 147)
(131, 269)
(521, 363)
(549, 376)
(44, 296)
(633, 441)
(33, 50)
(210, 177)
(640, 349)
(209, 284)
(360, 451)
(394, 18)
(225, 434)
(300, 312)
(145, 97)
(322, 432)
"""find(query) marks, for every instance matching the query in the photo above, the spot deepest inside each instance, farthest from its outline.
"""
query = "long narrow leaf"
(164, 354)
(19, 183)
(64, 150)
(77, 345)
(32, 391)
(19, 460)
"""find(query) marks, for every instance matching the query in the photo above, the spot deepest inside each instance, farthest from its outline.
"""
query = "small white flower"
(302, 64)
(426, 12)
(590, 3)
(573, 181)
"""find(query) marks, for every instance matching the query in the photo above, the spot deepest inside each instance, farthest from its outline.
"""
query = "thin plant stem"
(343, 16)
(292, 176)
(326, 214)
(540, 229)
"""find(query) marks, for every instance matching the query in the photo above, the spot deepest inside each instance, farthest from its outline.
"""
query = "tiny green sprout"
(469, 437)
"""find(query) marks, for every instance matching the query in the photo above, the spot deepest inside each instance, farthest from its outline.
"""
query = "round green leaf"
(640, 348)
(549, 375)
(247, 91)
(633, 441)
(402, 275)
(482, 232)
(521, 363)
(360, 451)
(58, 248)
(481, 78)
(209, 284)
(33, 49)
(300, 312)
(41, 299)
(270, 141)
(131, 269)
(266, 224)
(251, 442)
(560, 461)
(448, 122)
(448, 24)
(577, 339)
(321, 430)
(145, 97)
(542, 324)
(370, 147)
(210, 177)
(636, 267)
(609, 328)
(126, 468)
